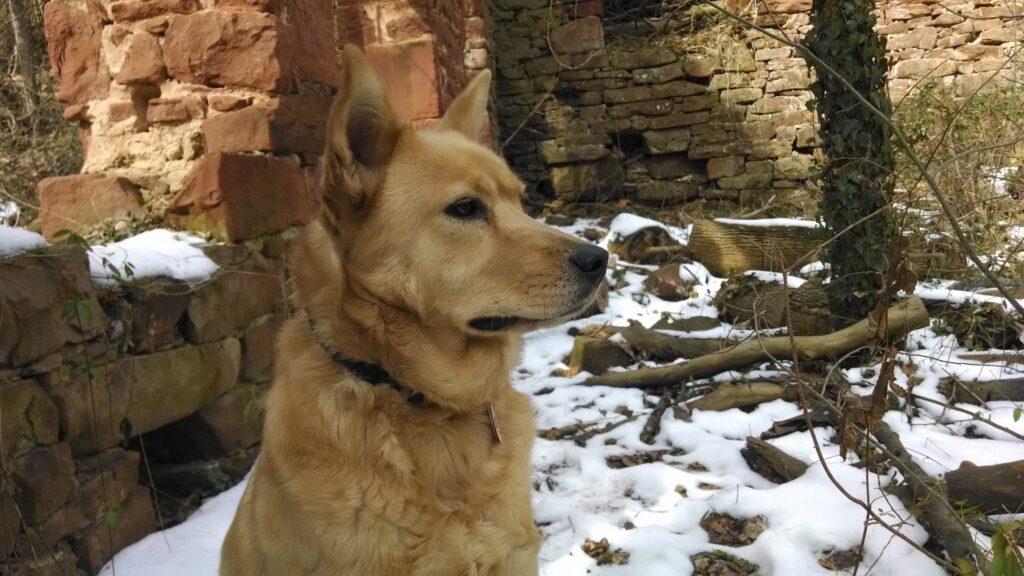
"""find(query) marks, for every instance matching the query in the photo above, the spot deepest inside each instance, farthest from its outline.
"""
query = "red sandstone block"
(174, 110)
(73, 43)
(409, 72)
(143, 62)
(254, 49)
(237, 197)
(81, 201)
(132, 10)
(286, 124)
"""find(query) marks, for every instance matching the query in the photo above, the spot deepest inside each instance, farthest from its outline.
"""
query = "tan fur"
(351, 479)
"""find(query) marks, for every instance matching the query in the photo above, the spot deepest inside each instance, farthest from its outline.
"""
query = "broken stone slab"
(143, 393)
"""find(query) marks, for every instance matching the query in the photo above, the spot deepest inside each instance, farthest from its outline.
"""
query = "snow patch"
(153, 253)
(14, 241)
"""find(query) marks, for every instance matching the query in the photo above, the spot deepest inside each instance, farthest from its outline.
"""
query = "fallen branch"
(729, 395)
(902, 318)
(653, 425)
(996, 489)
(665, 348)
(942, 521)
(771, 462)
(979, 392)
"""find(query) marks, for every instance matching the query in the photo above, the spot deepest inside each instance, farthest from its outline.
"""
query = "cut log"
(746, 299)
(996, 489)
(942, 522)
(902, 318)
(665, 348)
(982, 391)
(651, 245)
(742, 395)
(596, 355)
(771, 462)
(728, 247)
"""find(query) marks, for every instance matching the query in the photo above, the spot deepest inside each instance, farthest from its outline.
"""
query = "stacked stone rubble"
(586, 114)
(86, 372)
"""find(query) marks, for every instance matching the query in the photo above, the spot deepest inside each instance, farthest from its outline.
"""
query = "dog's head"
(430, 221)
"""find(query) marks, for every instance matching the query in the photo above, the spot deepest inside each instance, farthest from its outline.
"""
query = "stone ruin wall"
(590, 109)
(204, 115)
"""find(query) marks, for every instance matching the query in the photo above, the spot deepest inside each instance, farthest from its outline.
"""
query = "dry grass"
(32, 145)
(976, 150)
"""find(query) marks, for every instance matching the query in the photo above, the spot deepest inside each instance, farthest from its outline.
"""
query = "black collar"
(376, 375)
(372, 374)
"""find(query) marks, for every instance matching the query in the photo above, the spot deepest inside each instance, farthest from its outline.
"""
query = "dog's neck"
(453, 369)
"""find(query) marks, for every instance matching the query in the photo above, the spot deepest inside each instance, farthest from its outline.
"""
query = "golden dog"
(394, 443)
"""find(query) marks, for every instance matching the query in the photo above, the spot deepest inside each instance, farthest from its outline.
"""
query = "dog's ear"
(361, 135)
(468, 112)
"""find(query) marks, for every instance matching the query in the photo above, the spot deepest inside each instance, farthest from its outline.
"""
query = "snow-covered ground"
(654, 510)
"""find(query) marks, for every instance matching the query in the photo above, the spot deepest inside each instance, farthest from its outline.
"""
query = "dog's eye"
(467, 209)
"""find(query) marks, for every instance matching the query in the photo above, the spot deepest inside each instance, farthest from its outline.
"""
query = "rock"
(57, 563)
(746, 181)
(132, 10)
(667, 141)
(81, 201)
(672, 166)
(143, 393)
(175, 110)
(721, 564)
(738, 96)
(258, 350)
(143, 61)
(597, 355)
(232, 423)
(676, 88)
(651, 245)
(581, 35)
(238, 197)
(588, 181)
(157, 310)
(728, 531)
(43, 480)
(668, 192)
(658, 74)
(700, 67)
(409, 73)
(73, 41)
(216, 48)
(665, 283)
(647, 57)
(926, 67)
(796, 167)
(292, 123)
(238, 295)
(29, 418)
(227, 102)
(568, 152)
(724, 167)
(42, 299)
(128, 524)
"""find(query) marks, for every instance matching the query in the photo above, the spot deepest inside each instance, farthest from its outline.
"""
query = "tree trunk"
(24, 54)
(857, 179)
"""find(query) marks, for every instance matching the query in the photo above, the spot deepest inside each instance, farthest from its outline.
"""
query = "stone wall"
(594, 106)
(110, 397)
(207, 116)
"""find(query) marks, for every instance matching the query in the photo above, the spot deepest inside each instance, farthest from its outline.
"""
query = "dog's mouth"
(492, 324)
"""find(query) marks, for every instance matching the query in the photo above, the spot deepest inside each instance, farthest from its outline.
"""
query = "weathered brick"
(292, 123)
(81, 201)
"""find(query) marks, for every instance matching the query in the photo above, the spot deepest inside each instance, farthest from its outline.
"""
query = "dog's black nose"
(590, 260)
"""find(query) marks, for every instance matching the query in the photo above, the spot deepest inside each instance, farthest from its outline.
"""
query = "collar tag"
(495, 431)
